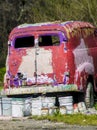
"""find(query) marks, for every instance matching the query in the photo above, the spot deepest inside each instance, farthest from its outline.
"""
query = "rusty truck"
(52, 57)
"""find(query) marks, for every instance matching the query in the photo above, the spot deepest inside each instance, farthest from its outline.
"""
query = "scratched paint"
(28, 61)
(67, 63)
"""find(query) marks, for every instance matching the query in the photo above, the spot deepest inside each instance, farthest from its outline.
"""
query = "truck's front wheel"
(89, 96)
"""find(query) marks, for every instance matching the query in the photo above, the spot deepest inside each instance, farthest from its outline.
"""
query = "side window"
(23, 42)
(49, 40)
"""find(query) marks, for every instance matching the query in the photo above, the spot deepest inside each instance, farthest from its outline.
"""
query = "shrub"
(2, 72)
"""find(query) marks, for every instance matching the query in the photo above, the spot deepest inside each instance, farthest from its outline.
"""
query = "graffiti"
(83, 62)
(81, 56)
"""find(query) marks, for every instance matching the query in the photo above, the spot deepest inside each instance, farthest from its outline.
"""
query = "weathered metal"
(37, 63)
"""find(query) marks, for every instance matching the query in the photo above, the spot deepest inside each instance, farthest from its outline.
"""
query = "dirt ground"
(31, 124)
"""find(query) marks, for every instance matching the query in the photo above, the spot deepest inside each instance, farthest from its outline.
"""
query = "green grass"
(2, 72)
(1, 87)
(78, 119)
(95, 105)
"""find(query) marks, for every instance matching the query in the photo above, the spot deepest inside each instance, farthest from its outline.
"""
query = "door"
(49, 57)
(39, 59)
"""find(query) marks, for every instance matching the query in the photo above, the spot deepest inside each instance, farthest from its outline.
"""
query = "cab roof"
(66, 27)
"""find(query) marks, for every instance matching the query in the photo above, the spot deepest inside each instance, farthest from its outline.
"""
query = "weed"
(79, 119)
(95, 106)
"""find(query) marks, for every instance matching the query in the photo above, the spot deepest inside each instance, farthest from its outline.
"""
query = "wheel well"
(90, 79)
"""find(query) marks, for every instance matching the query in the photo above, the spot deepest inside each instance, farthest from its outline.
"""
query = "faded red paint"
(15, 60)
(68, 63)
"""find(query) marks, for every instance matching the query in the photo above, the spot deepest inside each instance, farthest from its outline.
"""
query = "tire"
(89, 96)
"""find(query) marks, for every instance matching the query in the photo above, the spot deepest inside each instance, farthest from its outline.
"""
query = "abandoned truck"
(52, 57)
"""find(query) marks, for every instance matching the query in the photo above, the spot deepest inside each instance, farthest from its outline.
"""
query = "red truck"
(52, 57)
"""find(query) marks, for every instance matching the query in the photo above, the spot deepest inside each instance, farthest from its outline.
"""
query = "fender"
(82, 73)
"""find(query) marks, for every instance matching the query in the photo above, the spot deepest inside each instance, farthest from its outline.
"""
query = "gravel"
(8, 123)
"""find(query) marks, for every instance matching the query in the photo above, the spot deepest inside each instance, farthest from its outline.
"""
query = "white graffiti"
(82, 60)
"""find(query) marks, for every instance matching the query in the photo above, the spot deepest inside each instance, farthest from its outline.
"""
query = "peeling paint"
(67, 61)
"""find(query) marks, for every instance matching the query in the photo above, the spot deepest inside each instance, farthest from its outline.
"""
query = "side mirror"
(9, 43)
(95, 32)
